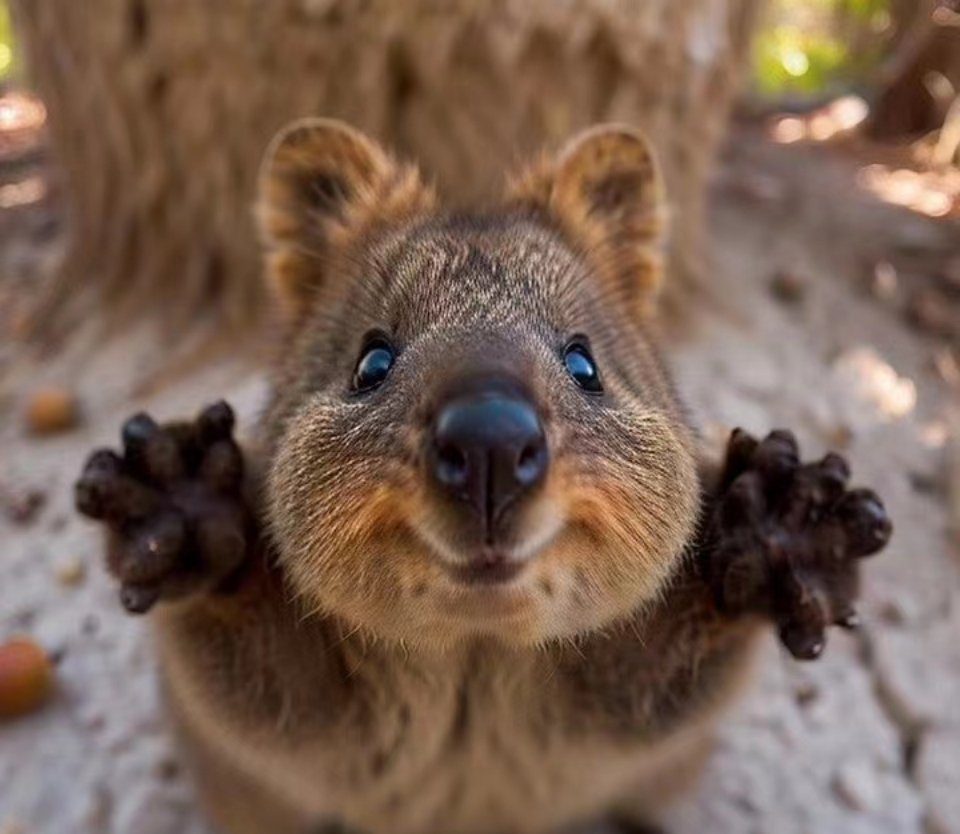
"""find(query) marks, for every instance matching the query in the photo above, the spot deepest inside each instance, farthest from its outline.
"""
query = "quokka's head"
(472, 435)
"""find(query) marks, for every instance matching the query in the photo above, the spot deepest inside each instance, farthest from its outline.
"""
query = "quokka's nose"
(488, 448)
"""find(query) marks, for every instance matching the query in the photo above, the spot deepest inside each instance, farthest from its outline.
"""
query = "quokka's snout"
(486, 454)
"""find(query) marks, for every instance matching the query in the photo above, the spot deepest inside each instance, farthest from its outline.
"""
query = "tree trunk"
(159, 111)
(908, 104)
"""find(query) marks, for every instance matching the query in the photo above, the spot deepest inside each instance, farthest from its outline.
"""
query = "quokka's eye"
(582, 367)
(374, 364)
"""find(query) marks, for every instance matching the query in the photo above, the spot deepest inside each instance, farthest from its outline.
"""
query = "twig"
(948, 143)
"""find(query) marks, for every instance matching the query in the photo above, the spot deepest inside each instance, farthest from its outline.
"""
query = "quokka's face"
(473, 435)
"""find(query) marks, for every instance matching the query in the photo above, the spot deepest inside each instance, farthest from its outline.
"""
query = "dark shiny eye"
(582, 368)
(374, 365)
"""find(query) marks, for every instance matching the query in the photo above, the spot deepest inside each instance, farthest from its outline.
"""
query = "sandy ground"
(865, 741)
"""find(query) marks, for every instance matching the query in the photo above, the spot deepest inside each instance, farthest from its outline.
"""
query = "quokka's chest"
(539, 745)
(485, 743)
(477, 759)
(416, 751)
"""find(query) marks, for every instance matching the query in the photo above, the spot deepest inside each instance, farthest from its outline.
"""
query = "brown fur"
(606, 191)
(351, 677)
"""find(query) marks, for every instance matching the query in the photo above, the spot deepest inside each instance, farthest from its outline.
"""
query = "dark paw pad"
(173, 503)
(785, 539)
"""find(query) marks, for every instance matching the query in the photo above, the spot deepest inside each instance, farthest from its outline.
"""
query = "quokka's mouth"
(488, 567)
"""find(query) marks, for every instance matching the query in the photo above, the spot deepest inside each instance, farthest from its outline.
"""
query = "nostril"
(451, 466)
(487, 448)
(530, 463)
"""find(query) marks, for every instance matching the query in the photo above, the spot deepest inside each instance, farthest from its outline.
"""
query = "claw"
(215, 422)
(89, 494)
(740, 450)
(802, 630)
(137, 431)
(803, 642)
(866, 523)
(138, 599)
(849, 619)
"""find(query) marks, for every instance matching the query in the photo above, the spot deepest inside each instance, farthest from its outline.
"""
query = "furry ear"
(606, 191)
(323, 185)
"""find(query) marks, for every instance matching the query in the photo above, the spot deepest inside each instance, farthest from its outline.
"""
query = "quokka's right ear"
(322, 185)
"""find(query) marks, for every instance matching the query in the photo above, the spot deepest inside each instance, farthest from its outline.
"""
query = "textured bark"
(160, 110)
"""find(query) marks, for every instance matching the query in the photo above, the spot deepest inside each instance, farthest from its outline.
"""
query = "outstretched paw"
(786, 538)
(173, 505)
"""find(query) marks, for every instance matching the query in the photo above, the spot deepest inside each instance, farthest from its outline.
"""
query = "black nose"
(488, 449)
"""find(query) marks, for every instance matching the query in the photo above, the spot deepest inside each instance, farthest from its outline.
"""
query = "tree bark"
(159, 111)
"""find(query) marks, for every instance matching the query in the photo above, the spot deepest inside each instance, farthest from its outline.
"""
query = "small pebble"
(71, 572)
(52, 410)
(789, 287)
(26, 677)
(898, 611)
(22, 509)
(806, 693)
(839, 437)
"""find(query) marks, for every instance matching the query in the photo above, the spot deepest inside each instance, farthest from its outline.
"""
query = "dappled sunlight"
(934, 194)
(926, 188)
(21, 111)
(935, 434)
(838, 117)
(30, 190)
(874, 381)
(22, 117)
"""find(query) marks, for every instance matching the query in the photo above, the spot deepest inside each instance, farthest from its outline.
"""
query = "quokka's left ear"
(606, 191)
(322, 185)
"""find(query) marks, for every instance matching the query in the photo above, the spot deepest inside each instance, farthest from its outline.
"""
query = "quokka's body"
(478, 578)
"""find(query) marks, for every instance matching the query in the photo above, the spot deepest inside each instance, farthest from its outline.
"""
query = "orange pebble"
(52, 410)
(26, 676)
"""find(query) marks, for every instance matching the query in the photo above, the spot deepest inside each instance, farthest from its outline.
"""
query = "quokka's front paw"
(786, 537)
(173, 505)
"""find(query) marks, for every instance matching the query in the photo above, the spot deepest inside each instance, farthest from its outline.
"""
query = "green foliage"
(7, 53)
(810, 47)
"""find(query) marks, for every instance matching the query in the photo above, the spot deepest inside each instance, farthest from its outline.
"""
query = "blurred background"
(812, 151)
